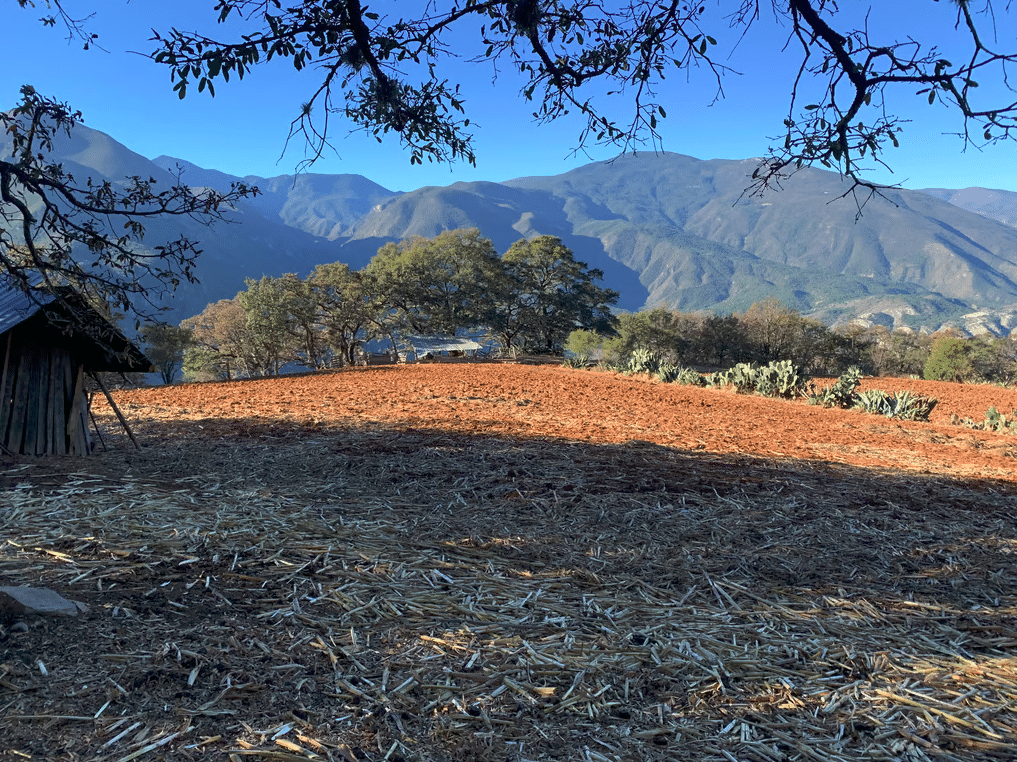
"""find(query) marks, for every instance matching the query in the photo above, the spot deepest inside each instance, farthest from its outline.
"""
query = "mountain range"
(665, 229)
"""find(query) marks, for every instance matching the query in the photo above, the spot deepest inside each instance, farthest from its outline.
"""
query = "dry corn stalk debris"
(411, 595)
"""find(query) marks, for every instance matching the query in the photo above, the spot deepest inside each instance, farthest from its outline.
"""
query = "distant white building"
(430, 348)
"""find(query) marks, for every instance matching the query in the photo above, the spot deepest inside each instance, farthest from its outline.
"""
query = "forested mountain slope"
(666, 229)
(248, 244)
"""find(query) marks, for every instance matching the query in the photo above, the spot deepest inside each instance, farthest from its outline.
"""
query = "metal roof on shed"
(422, 344)
(100, 343)
(16, 306)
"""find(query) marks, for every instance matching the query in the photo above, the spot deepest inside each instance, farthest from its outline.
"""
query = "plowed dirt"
(596, 407)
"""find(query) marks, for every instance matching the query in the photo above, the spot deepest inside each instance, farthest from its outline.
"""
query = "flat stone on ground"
(17, 602)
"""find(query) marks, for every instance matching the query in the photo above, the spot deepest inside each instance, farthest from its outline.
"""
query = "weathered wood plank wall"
(43, 403)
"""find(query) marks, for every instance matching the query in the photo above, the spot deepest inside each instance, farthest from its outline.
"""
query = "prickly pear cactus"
(843, 393)
(786, 380)
(643, 361)
(742, 377)
(778, 379)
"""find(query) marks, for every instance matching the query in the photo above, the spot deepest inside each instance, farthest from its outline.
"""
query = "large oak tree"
(436, 285)
(548, 295)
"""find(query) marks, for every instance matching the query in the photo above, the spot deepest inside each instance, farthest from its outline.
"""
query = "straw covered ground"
(508, 563)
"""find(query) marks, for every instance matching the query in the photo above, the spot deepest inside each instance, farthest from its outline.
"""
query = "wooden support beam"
(77, 434)
(33, 368)
(61, 381)
(95, 425)
(19, 401)
(112, 404)
(5, 405)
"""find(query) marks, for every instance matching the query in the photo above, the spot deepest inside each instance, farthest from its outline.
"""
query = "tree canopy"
(165, 346)
(384, 68)
(530, 298)
(550, 294)
(58, 231)
(437, 285)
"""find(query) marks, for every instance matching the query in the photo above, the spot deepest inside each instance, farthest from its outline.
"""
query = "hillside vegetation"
(665, 229)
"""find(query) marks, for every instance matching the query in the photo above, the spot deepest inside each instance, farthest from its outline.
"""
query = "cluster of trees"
(952, 358)
(531, 298)
(537, 298)
(769, 331)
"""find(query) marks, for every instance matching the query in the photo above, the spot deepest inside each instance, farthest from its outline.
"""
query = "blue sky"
(242, 130)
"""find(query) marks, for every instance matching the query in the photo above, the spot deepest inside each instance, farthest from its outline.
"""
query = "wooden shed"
(46, 347)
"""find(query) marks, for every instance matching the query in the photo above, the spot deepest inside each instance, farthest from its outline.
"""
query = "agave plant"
(676, 374)
(903, 405)
(667, 372)
(690, 377)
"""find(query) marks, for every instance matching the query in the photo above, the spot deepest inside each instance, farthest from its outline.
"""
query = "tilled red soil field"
(591, 406)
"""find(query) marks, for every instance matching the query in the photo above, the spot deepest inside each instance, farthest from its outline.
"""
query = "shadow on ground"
(413, 594)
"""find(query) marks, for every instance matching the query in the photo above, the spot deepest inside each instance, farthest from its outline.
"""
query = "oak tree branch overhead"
(386, 71)
(57, 231)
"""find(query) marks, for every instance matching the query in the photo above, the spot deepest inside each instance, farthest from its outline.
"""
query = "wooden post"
(95, 424)
(77, 439)
(61, 373)
(34, 369)
(112, 404)
(19, 402)
(54, 394)
(5, 407)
